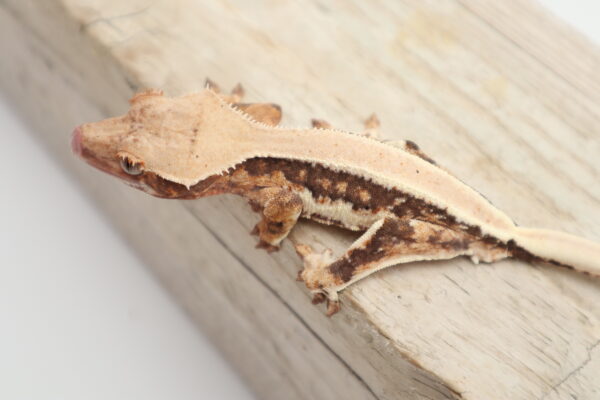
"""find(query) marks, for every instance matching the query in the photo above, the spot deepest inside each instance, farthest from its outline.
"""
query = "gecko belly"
(338, 212)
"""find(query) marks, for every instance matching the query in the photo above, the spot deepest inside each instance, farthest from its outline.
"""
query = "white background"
(68, 329)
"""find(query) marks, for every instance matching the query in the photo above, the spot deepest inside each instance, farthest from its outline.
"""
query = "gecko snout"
(76, 141)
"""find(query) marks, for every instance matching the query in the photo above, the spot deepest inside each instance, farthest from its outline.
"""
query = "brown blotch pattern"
(326, 184)
(362, 193)
(390, 234)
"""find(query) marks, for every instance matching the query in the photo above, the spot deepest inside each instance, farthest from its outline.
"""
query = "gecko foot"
(212, 85)
(303, 250)
(372, 125)
(314, 260)
(316, 276)
(237, 93)
(270, 248)
(315, 266)
(320, 124)
(319, 298)
(267, 246)
(333, 304)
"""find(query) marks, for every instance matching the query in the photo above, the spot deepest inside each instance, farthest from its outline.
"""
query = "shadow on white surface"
(580, 14)
(80, 317)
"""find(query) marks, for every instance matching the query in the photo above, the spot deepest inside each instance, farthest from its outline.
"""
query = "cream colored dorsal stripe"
(230, 137)
(395, 168)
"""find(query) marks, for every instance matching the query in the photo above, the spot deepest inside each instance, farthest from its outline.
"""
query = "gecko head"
(148, 148)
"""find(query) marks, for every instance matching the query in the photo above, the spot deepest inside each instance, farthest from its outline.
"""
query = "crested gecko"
(406, 207)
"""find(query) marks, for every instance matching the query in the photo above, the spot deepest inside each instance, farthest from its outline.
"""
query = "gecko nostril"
(76, 141)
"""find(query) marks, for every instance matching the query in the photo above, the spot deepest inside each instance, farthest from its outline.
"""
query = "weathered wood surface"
(500, 93)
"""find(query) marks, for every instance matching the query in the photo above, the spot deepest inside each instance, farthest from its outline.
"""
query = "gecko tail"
(561, 248)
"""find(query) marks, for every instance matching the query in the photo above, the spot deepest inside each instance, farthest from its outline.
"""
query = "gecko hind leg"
(387, 242)
(280, 209)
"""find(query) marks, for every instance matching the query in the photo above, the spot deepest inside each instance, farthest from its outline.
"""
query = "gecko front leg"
(280, 209)
(387, 242)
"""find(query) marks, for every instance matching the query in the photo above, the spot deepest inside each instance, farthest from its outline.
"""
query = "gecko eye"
(131, 167)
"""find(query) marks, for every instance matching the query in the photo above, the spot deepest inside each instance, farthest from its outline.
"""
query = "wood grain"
(499, 93)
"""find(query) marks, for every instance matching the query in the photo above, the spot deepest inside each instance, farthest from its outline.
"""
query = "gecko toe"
(372, 122)
(319, 298)
(320, 124)
(212, 85)
(333, 307)
(237, 93)
(372, 125)
(267, 246)
(303, 250)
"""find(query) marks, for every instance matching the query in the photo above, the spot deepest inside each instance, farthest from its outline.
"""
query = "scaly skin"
(406, 207)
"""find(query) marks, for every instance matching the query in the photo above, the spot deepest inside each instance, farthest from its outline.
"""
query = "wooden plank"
(491, 100)
(238, 315)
